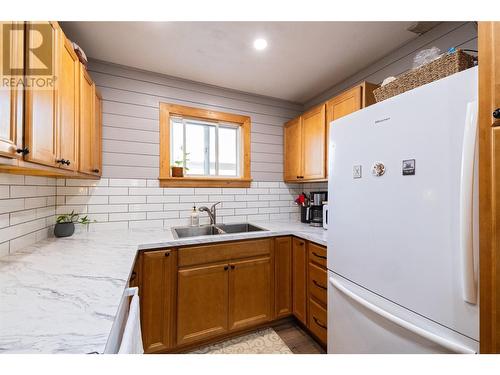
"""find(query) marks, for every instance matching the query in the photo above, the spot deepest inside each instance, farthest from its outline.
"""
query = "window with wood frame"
(212, 147)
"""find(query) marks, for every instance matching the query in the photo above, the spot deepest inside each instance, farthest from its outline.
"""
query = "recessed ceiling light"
(260, 44)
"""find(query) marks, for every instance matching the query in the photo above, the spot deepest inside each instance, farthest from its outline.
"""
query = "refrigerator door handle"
(445, 343)
(469, 286)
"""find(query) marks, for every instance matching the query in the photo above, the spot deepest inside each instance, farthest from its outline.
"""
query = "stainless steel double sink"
(215, 230)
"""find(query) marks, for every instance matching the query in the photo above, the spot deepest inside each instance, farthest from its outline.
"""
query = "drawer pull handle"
(167, 254)
(319, 285)
(319, 323)
(233, 266)
(319, 256)
(226, 268)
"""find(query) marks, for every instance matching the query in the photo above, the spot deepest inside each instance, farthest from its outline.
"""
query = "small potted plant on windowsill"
(65, 224)
(178, 167)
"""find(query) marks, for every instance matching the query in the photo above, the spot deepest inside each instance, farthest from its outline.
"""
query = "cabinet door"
(97, 135)
(157, 296)
(87, 119)
(283, 276)
(68, 91)
(293, 150)
(41, 103)
(342, 105)
(299, 281)
(11, 98)
(250, 293)
(314, 143)
(202, 302)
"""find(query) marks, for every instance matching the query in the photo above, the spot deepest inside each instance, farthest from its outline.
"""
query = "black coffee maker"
(315, 212)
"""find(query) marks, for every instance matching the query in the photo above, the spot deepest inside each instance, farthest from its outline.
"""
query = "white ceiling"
(302, 59)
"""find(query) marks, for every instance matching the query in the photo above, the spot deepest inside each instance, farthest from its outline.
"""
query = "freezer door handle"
(469, 286)
(445, 343)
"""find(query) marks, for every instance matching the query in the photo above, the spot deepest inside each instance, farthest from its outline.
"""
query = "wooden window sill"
(199, 182)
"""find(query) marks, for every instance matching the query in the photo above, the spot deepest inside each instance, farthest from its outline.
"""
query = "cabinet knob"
(96, 170)
(226, 268)
(496, 113)
(167, 254)
(24, 150)
(67, 162)
(60, 161)
(233, 266)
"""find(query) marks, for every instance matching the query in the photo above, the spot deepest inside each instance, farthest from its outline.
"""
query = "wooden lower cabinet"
(299, 279)
(317, 322)
(157, 296)
(283, 276)
(250, 293)
(194, 295)
(202, 302)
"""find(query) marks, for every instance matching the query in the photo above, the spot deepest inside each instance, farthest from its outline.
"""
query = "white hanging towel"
(132, 338)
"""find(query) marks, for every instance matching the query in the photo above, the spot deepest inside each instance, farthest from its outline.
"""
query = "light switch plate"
(356, 171)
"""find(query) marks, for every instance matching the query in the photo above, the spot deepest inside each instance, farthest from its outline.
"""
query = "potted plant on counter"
(65, 224)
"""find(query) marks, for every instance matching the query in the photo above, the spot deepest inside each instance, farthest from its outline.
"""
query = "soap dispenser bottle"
(195, 217)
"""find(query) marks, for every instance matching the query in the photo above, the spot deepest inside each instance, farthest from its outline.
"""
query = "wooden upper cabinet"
(87, 122)
(292, 135)
(299, 280)
(313, 143)
(250, 292)
(157, 296)
(97, 135)
(344, 104)
(202, 302)
(40, 131)
(306, 137)
(283, 276)
(11, 99)
(68, 105)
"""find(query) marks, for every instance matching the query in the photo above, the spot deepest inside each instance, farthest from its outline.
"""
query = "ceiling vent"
(422, 27)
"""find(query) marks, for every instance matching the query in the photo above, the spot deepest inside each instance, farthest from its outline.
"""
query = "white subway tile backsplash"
(4, 220)
(22, 216)
(61, 190)
(11, 179)
(4, 192)
(126, 216)
(99, 208)
(193, 198)
(146, 207)
(117, 199)
(108, 191)
(162, 199)
(199, 191)
(10, 205)
(37, 202)
(178, 191)
(127, 182)
(146, 191)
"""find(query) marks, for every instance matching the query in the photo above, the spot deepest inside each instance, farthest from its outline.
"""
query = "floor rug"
(265, 341)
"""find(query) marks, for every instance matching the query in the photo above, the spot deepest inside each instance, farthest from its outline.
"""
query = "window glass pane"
(177, 141)
(228, 146)
(195, 149)
(212, 150)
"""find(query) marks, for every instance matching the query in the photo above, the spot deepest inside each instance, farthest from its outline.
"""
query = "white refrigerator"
(402, 233)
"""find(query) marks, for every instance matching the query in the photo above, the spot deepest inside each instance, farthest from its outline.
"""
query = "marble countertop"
(61, 295)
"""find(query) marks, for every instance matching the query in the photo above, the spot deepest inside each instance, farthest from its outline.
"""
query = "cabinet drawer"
(191, 256)
(317, 321)
(318, 283)
(317, 254)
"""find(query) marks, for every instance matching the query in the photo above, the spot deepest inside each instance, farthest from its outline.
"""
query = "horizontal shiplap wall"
(131, 120)
(129, 196)
(27, 210)
(444, 36)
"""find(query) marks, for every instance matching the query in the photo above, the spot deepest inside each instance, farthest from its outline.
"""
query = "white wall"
(444, 36)
(128, 195)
